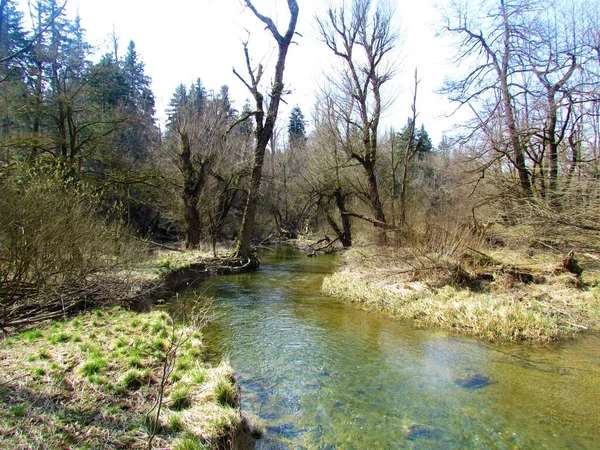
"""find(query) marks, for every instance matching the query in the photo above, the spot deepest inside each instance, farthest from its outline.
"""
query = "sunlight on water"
(322, 374)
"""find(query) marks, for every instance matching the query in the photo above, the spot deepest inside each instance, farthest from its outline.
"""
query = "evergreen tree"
(420, 140)
(13, 39)
(225, 106)
(179, 99)
(246, 128)
(139, 107)
(424, 144)
(296, 126)
(197, 95)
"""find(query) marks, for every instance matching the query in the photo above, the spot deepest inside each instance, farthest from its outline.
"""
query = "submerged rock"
(417, 431)
(270, 444)
(287, 430)
(473, 381)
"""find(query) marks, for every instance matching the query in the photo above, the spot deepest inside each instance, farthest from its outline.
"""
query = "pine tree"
(139, 106)
(13, 39)
(296, 126)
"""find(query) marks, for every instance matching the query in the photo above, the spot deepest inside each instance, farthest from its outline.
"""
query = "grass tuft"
(225, 393)
(31, 336)
(59, 338)
(198, 375)
(135, 379)
(180, 397)
(175, 423)
(92, 366)
(189, 442)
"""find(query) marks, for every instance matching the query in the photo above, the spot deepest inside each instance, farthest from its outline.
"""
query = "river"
(322, 374)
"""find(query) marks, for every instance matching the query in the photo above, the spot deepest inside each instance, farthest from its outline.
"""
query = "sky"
(182, 40)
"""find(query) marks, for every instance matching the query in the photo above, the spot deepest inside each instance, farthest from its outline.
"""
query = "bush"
(52, 231)
(53, 236)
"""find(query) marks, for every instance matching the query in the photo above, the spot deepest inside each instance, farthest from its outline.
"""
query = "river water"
(321, 374)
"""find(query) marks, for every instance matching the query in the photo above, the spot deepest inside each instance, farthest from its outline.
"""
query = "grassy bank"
(539, 302)
(95, 382)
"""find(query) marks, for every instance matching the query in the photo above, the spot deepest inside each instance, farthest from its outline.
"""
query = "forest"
(89, 179)
(507, 203)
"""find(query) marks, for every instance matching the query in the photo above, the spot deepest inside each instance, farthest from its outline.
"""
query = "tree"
(531, 67)
(13, 38)
(363, 39)
(296, 126)
(264, 123)
(196, 138)
(138, 107)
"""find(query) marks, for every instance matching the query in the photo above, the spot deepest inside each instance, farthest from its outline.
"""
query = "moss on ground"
(553, 305)
(90, 382)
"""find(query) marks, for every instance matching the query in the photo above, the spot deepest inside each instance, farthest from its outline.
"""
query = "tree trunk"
(243, 249)
(264, 131)
(346, 235)
(192, 185)
(192, 220)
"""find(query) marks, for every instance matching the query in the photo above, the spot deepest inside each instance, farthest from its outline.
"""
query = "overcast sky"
(181, 40)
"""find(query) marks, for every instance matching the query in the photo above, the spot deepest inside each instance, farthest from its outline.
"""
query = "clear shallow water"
(323, 374)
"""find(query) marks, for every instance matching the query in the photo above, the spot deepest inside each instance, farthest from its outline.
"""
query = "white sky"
(181, 40)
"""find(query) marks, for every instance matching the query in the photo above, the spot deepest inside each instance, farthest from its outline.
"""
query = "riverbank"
(100, 379)
(96, 367)
(502, 295)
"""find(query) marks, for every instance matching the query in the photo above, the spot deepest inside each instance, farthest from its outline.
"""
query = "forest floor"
(502, 294)
(95, 381)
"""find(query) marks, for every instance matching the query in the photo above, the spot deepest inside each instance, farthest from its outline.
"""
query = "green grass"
(39, 371)
(44, 354)
(92, 366)
(198, 375)
(59, 337)
(175, 423)
(112, 378)
(180, 397)
(31, 336)
(189, 442)
(225, 393)
(19, 410)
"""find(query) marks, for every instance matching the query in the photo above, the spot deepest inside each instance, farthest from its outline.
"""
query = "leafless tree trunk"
(410, 152)
(264, 125)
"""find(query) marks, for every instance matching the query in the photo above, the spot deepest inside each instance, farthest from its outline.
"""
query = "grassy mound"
(94, 382)
(492, 300)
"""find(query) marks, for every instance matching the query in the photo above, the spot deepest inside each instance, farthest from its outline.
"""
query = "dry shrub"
(52, 234)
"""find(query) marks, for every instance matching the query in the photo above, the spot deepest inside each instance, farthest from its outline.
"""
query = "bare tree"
(327, 168)
(363, 39)
(199, 136)
(411, 150)
(264, 123)
(491, 37)
(524, 82)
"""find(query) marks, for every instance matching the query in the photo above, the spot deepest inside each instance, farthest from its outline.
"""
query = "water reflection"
(322, 374)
